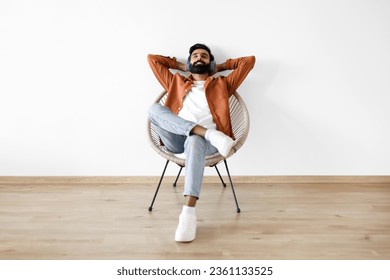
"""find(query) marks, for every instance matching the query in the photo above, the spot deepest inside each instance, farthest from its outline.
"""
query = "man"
(195, 119)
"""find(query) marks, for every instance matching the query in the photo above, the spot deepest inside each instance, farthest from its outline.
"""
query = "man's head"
(199, 59)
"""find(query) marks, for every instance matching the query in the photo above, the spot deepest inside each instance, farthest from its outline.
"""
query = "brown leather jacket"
(217, 89)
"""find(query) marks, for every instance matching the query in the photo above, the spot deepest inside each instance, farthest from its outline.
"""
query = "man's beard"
(200, 68)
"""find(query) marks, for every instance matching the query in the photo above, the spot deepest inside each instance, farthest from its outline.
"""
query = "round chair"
(240, 124)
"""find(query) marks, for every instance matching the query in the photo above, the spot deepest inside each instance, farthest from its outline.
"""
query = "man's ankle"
(188, 210)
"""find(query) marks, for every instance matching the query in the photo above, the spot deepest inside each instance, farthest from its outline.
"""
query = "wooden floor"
(328, 221)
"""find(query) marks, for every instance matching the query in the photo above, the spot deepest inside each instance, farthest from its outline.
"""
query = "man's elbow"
(151, 58)
(251, 61)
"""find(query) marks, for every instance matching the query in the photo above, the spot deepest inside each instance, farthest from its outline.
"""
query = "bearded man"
(195, 119)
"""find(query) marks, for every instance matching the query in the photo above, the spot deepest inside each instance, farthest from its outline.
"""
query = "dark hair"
(201, 46)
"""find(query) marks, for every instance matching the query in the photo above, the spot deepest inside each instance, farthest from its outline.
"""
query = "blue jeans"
(175, 134)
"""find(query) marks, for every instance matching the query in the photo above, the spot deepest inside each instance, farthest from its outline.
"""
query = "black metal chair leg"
(231, 184)
(177, 177)
(158, 186)
(220, 177)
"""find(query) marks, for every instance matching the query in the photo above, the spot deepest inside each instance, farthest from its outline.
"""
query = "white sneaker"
(186, 230)
(219, 140)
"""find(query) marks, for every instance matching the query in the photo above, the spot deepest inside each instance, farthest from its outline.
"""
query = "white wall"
(75, 84)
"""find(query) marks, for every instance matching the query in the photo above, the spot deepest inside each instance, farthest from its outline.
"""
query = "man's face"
(200, 62)
(200, 56)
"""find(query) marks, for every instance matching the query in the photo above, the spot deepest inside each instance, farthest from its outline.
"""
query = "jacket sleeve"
(160, 66)
(241, 67)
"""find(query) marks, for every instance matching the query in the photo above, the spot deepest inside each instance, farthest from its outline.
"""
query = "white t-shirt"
(195, 107)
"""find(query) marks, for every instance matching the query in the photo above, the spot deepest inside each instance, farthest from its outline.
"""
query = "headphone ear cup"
(188, 65)
(212, 66)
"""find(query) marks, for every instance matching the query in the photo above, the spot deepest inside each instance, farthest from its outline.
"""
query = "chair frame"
(240, 125)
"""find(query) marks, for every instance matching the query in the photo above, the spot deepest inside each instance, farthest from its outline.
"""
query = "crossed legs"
(180, 135)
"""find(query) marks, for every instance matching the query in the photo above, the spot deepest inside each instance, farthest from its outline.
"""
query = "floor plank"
(278, 221)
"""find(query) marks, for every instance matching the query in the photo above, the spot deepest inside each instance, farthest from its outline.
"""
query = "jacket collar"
(207, 81)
